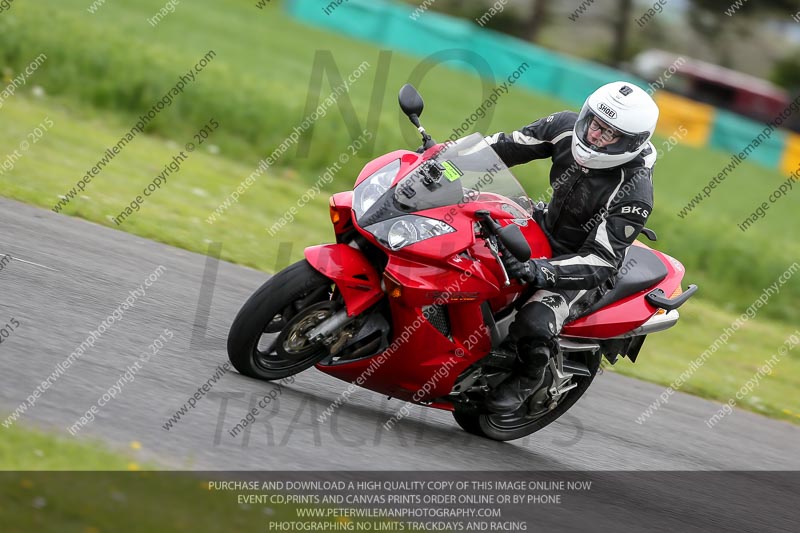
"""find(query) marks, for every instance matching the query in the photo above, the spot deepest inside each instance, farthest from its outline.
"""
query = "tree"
(730, 8)
(722, 22)
(621, 25)
(786, 72)
(533, 23)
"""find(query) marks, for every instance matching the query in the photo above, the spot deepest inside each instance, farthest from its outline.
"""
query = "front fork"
(356, 279)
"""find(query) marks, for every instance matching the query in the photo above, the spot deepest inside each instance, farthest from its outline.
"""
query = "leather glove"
(537, 272)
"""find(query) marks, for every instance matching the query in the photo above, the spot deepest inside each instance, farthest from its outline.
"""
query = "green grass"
(29, 449)
(54, 484)
(112, 501)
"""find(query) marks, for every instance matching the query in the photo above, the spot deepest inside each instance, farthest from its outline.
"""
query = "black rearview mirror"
(410, 101)
(513, 239)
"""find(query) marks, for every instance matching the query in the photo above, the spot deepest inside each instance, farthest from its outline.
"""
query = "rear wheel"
(267, 339)
(521, 423)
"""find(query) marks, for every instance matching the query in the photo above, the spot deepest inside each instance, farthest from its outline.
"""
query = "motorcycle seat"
(641, 270)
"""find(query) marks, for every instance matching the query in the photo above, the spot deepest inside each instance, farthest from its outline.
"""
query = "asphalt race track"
(67, 275)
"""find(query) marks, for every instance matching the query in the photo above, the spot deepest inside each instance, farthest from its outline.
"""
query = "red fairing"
(418, 350)
(341, 206)
(456, 271)
(343, 200)
(355, 278)
(629, 313)
(428, 284)
(440, 250)
(421, 363)
(408, 162)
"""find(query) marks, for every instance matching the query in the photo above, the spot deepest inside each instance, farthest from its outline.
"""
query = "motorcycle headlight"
(371, 189)
(406, 230)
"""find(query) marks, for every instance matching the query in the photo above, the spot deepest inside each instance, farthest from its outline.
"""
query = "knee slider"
(536, 321)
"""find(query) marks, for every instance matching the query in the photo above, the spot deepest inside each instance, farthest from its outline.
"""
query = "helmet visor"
(598, 135)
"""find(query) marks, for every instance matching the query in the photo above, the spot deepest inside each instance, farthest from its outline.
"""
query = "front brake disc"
(292, 343)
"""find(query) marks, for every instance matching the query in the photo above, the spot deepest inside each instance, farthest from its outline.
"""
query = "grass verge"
(50, 483)
(666, 355)
(30, 449)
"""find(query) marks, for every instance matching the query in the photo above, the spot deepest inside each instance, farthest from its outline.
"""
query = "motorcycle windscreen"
(458, 174)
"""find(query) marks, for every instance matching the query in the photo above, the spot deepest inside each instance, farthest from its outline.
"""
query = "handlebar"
(491, 229)
(487, 222)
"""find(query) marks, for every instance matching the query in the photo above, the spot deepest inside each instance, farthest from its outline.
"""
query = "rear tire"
(269, 311)
(514, 426)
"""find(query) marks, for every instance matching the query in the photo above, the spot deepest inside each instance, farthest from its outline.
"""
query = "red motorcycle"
(414, 302)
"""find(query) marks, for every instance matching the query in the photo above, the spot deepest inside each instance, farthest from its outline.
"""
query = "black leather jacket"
(593, 215)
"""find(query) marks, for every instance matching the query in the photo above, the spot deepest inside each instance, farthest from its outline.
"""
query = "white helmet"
(629, 112)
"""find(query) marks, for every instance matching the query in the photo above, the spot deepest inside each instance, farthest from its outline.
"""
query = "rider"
(602, 195)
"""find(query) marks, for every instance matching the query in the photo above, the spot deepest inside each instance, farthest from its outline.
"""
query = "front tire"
(293, 298)
(515, 425)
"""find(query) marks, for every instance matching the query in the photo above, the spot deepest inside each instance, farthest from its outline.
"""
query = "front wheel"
(519, 424)
(267, 339)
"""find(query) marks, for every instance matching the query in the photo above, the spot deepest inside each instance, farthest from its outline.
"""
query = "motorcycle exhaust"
(656, 323)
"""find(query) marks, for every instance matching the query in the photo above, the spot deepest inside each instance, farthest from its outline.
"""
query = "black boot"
(511, 394)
